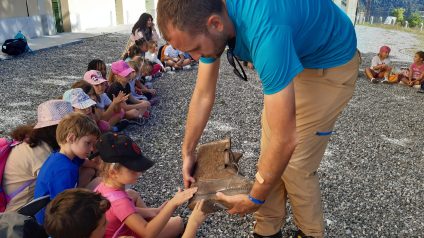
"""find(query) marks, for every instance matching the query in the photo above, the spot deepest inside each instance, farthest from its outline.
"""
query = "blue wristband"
(256, 201)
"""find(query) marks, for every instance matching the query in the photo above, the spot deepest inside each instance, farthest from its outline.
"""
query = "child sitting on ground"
(99, 65)
(80, 101)
(133, 51)
(380, 66)
(416, 72)
(138, 89)
(119, 80)
(152, 56)
(25, 159)
(123, 163)
(76, 135)
(106, 109)
(88, 218)
(175, 58)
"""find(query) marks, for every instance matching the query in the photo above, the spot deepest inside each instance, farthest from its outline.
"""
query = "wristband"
(256, 201)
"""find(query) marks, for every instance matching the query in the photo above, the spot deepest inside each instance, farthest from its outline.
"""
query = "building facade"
(349, 6)
(48, 17)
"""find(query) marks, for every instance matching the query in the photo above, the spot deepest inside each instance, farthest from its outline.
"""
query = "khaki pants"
(321, 95)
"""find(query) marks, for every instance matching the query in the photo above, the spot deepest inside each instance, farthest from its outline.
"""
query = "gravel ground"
(371, 176)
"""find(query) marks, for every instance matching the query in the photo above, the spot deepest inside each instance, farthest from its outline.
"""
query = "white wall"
(351, 9)
(132, 9)
(42, 21)
(33, 26)
(86, 14)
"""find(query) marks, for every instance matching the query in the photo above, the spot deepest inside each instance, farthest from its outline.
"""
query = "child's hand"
(182, 196)
(121, 97)
(152, 91)
(197, 217)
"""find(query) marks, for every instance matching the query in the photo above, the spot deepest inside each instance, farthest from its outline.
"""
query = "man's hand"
(240, 204)
(188, 164)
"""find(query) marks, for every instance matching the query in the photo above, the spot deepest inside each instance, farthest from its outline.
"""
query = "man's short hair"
(78, 124)
(186, 15)
(75, 213)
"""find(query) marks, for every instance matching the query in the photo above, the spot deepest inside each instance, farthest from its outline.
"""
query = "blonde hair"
(111, 78)
(135, 64)
(146, 68)
(105, 168)
(152, 44)
(78, 124)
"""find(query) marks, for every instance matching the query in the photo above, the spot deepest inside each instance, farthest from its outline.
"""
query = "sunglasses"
(232, 59)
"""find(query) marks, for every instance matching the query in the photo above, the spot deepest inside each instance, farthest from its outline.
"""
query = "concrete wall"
(38, 20)
(351, 9)
(348, 6)
(131, 10)
(86, 14)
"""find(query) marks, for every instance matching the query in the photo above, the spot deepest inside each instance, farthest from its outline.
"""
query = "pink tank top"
(417, 71)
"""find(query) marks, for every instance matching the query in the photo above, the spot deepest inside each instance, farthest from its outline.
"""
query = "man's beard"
(220, 42)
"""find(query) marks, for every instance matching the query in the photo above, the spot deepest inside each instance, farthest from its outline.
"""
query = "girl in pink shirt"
(123, 164)
(416, 71)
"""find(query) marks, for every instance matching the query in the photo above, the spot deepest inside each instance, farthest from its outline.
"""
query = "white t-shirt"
(377, 61)
(104, 101)
(171, 52)
(152, 57)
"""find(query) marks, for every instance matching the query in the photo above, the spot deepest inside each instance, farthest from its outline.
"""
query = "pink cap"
(385, 48)
(94, 77)
(121, 68)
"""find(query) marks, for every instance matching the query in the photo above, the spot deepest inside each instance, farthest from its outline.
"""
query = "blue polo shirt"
(282, 37)
(56, 175)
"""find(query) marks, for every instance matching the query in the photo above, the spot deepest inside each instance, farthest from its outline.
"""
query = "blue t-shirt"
(56, 175)
(281, 37)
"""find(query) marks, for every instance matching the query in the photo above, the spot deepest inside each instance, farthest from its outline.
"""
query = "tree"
(399, 14)
(415, 19)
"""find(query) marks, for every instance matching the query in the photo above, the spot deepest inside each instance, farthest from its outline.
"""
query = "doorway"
(57, 12)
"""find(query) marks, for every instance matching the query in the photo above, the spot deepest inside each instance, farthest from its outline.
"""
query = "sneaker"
(299, 234)
(139, 121)
(374, 80)
(417, 86)
(167, 68)
(121, 125)
(187, 67)
(148, 78)
(146, 115)
(276, 235)
(157, 75)
(384, 80)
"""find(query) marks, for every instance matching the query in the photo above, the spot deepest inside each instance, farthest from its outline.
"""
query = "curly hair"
(33, 137)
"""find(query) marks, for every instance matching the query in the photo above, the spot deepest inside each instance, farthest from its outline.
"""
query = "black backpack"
(14, 46)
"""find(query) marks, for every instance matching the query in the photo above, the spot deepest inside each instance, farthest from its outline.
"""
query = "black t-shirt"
(115, 88)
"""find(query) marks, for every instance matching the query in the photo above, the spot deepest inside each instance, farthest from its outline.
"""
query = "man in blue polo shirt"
(305, 55)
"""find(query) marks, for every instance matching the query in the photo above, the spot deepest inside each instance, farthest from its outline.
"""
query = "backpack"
(6, 146)
(161, 53)
(14, 46)
(13, 224)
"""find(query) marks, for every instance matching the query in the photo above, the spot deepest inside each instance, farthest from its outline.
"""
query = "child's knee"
(178, 223)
